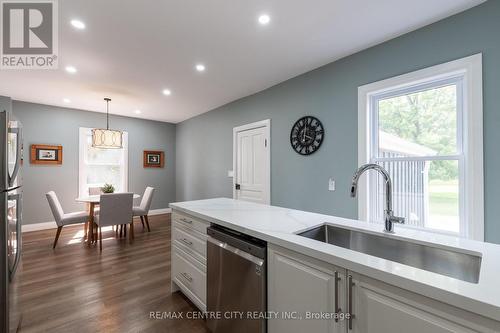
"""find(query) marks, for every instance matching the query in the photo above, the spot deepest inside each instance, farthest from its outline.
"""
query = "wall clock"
(307, 135)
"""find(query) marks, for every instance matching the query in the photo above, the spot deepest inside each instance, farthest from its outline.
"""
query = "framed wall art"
(46, 154)
(154, 159)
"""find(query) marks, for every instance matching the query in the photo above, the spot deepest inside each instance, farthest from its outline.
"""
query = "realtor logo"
(29, 34)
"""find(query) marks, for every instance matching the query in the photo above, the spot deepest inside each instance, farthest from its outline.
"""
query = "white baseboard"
(38, 226)
(53, 225)
(160, 211)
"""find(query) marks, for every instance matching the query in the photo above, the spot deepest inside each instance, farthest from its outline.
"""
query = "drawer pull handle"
(187, 277)
(185, 241)
(186, 220)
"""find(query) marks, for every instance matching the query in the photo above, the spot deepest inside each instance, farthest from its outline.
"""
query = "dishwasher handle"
(238, 252)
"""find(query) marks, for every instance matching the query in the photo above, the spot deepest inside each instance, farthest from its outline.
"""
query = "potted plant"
(108, 188)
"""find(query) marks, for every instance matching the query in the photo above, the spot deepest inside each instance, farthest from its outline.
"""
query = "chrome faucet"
(389, 217)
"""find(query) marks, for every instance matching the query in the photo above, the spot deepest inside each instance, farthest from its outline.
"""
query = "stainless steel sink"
(454, 264)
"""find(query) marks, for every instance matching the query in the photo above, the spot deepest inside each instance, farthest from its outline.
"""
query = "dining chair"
(95, 190)
(63, 219)
(143, 209)
(115, 209)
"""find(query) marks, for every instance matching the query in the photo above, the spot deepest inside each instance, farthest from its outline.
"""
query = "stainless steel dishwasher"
(236, 282)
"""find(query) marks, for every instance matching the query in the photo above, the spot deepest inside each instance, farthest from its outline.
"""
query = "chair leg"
(100, 238)
(116, 230)
(142, 221)
(147, 222)
(132, 230)
(125, 230)
(96, 232)
(57, 236)
(121, 230)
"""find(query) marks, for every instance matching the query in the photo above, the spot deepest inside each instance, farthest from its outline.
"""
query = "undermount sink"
(454, 264)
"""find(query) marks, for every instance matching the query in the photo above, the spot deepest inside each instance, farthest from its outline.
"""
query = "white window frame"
(469, 127)
(82, 166)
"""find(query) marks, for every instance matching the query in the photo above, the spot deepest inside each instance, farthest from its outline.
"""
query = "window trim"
(470, 70)
(81, 160)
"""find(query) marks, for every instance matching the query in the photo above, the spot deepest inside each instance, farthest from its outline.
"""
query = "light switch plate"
(230, 173)
(331, 184)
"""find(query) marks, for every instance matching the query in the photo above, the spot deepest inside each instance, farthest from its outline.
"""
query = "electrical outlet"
(331, 184)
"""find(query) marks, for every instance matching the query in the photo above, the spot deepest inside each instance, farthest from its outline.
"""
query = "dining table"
(93, 201)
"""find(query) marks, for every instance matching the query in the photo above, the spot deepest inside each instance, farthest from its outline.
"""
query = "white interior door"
(252, 164)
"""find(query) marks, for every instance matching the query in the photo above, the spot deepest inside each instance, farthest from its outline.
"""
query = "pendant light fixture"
(107, 138)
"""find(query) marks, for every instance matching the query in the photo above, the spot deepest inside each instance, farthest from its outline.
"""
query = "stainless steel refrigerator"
(10, 217)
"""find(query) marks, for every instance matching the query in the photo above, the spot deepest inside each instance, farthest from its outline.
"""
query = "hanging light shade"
(107, 138)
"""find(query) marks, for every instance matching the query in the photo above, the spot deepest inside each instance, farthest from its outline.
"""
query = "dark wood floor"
(78, 289)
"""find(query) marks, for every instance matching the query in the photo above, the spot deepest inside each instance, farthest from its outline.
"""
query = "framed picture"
(154, 159)
(46, 154)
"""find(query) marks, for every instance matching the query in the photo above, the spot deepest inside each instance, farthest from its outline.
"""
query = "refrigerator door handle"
(19, 247)
(19, 148)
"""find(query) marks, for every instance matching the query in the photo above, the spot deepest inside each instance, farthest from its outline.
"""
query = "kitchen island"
(306, 275)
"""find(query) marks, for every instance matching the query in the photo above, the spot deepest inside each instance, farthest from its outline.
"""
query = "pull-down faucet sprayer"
(389, 217)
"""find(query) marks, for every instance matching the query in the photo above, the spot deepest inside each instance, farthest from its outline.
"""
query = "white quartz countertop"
(279, 226)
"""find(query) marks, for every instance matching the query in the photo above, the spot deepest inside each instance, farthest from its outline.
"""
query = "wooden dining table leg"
(86, 230)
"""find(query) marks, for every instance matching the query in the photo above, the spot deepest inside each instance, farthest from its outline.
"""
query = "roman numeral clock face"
(307, 135)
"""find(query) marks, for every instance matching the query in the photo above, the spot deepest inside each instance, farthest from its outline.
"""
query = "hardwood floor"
(75, 288)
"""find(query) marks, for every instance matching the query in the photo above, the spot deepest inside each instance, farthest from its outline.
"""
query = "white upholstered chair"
(115, 209)
(63, 219)
(95, 190)
(143, 209)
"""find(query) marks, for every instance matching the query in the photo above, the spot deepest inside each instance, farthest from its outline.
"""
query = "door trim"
(266, 124)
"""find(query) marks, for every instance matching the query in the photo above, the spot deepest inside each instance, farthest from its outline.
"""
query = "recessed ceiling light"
(66, 100)
(167, 92)
(138, 111)
(200, 67)
(264, 19)
(78, 24)
(71, 69)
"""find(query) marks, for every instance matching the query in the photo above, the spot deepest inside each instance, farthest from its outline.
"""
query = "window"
(101, 166)
(425, 128)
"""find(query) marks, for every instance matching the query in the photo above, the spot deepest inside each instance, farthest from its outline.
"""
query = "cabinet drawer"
(191, 241)
(191, 222)
(189, 274)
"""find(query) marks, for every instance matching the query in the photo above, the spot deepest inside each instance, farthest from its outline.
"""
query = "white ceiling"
(132, 50)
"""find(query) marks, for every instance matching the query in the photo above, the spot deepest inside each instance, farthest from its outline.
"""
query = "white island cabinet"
(308, 278)
(301, 288)
(189, 258)
(380, 308)
(304, 285)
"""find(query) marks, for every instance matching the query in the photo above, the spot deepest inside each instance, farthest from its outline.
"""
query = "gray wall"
(5, 103)
(204, 143)
(44, 124)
